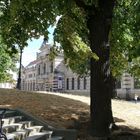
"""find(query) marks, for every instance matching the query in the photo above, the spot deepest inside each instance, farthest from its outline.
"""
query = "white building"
(44, 74)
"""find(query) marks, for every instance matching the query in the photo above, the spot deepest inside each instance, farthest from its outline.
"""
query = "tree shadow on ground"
(62, 113)
(118, 120)
(123, 132)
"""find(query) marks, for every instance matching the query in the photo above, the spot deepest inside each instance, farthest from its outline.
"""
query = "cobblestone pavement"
(127, 111)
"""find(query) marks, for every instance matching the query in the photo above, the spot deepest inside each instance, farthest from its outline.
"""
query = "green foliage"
(22, 19)
(124, 39)
(53, 53)
(7, 63)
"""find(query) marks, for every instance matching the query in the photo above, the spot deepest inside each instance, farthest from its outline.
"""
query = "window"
(44, 68)
(118, 83)
(39, 70)
(33, 85)
(85, 83)
(67, 83)
(78, 83)
(60, 78)
(30, 75)
(51, 67)
(56, 71)
(136, 83)
(72, 84)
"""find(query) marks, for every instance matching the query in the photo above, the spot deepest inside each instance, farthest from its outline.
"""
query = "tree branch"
(80, 4)
(87, 8)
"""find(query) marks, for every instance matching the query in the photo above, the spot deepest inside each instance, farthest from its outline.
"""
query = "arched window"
(39, 70)
(67, 83)
(72, 83)
(33, 85)
(78, 83)
(85, 83)
(44, 68)
(51, 67)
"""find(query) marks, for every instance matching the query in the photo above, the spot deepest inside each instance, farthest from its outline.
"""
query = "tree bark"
(99, 25)
(19, 73)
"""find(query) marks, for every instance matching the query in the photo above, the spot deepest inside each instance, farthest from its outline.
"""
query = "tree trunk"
(19, 73)
(99, 25)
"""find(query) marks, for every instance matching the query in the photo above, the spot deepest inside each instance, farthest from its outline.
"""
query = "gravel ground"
(64, 112)
(128, 111)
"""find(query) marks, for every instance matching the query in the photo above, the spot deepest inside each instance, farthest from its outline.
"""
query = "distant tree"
(84, 32)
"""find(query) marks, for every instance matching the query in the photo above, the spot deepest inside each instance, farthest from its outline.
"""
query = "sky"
(29, 52)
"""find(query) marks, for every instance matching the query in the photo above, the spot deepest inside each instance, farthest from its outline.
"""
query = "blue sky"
(29, 53)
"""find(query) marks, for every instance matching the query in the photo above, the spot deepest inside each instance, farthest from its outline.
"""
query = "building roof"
(31, 64)
(44, 46)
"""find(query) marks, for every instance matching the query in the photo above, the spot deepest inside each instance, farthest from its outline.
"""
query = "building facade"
(45, 74)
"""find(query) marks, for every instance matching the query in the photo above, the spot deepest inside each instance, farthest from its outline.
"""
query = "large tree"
(83, 28)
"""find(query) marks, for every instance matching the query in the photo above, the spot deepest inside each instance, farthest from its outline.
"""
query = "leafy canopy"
(22, 19)
(7, 63)
(125, 54)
